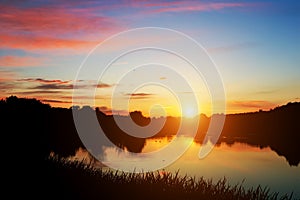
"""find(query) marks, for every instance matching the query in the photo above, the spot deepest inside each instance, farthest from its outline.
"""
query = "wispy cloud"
(140, 95)
(34, 92)
(53, 86)
(36, 42)
(41, 80)
(193, 6)
(57, 84)
(104, 85)
(39, 26)
(54, 101)
(53, 20)
(19, 61)
(73, 25)
(7, 75)
(253, 104)
(4, 86)
(47, 84)
(7, 81)
(109, 111)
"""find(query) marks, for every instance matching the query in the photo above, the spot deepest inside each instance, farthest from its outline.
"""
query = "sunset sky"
(255, 45)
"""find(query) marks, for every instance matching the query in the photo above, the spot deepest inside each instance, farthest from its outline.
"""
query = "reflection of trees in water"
(40, 129)
(278, 128)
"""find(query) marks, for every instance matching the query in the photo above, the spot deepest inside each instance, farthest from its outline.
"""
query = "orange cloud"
(139, 95)
(6, 75)
(41, 80)
(19, 61)
(7, 83)
(252, 105)
(103, 85)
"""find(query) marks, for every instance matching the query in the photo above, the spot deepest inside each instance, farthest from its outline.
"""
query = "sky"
(255, 46)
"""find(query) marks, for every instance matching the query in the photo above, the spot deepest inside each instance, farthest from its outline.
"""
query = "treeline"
(30, 126)
(30, 130)
(278, 128)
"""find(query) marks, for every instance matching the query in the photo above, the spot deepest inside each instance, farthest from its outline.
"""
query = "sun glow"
(189, 112)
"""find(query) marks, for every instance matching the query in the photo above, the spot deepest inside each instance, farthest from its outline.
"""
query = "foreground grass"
(81, 181)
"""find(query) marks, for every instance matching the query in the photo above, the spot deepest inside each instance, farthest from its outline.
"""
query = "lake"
(237, 162)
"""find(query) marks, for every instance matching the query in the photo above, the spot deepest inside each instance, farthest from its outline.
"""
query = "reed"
(84, 181)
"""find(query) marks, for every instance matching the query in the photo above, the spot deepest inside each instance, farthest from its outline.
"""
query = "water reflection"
(236, 162)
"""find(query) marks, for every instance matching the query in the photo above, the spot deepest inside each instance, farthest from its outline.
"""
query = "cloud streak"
(109, 111)
(4, 86)
(64, 25)
(57, 84)
(52, 20)
(41, 80)
(13, 41)
(53, 86)
(193, 6)
(140, 95)
(54, 101)
(254, 104)
(6, 75)
(34, 92)
(7, 82)
(51, 27)
(103, 85)
(19, 61)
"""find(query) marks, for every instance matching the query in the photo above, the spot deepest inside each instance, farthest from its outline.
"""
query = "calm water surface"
(236, 162)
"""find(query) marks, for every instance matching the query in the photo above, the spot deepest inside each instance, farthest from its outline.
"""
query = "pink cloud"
(7, 75)
(41, 42)
(53, 27)
(187, 6)
(54, 20)
(19, 61)
(164, 3)
(65, 26)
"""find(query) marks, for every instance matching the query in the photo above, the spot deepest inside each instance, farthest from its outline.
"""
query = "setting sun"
(189, 112)
(162, 99)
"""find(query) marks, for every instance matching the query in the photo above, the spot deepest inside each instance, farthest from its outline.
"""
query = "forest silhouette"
(37, 128)
(31, 130)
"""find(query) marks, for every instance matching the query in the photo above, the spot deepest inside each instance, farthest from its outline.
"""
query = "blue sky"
(255, 44)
